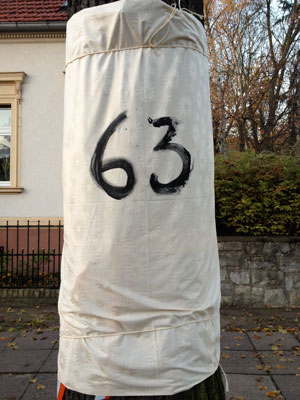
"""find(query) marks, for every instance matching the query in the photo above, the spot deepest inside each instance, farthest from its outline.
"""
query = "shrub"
(257, 194)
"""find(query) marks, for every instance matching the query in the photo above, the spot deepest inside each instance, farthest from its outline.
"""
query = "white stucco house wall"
(32, 54)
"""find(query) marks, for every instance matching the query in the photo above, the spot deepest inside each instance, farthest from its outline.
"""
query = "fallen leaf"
(225, 356)
(40, 386)
(256, 337)
(259, 367)
(32, 380)
(260, 379)
(282, 331)
(261, 387)
(227, 348)
(243, 356)
(268, 368)
(279, 366)
(273, 394)
(2, 338)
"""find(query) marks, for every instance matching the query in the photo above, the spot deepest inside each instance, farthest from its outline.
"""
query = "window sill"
(10, 190)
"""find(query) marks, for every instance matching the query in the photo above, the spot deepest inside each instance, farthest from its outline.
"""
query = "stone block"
(269, 248)
(235, 277)
(284, 247)
(296, 280)
(4, 293)
(223, 274)
(226, 301)
(223, 261)
(232, 246)
(241, 295)
(36, 293)
(21, 292)
(220, 246)
(289, 264)
(227, 289)
(47, 293)
(15, 293)
(295, 298)
(275, 298)
(258, 262)
(245, 277)
(254, 248)
(240, 277)
(257, 297)
(289, 282)
(267, 278)
(297, 249)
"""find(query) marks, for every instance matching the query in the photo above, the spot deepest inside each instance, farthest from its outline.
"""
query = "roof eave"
(53, 26)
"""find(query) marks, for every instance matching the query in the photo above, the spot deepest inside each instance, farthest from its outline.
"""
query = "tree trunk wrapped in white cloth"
(140, 292)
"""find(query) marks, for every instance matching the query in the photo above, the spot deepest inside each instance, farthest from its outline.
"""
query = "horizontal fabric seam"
(136, 48)
(145, 331)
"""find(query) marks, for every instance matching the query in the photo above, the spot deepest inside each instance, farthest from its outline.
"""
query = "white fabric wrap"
(140, 292)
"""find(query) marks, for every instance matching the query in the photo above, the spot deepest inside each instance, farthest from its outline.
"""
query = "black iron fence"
(30, 255)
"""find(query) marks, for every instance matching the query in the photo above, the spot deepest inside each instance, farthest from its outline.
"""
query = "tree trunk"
(212, 387)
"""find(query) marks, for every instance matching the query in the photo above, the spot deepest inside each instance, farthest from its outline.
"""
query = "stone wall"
(260, 271)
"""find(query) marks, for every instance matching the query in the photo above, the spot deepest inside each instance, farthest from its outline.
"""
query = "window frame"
(10, 95)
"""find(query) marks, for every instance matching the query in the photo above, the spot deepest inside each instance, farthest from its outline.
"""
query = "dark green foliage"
(257, 194)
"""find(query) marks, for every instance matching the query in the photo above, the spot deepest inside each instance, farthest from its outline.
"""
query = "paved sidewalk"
(259, 365)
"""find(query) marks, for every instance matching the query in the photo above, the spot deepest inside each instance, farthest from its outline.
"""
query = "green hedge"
(257, 194)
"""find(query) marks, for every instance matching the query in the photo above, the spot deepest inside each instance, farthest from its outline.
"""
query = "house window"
(10, 131)
(5, 144)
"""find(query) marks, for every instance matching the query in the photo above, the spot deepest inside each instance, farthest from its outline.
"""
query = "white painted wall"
(42, 126)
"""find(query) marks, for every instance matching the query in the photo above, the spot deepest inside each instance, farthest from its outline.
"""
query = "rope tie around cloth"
(168, 22)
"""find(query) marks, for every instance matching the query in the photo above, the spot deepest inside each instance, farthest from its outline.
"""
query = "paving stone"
(5, 338)
(235, 341)
(265, 341)
(51, 363)
(241, 362)
(282, 362)
(247, 387)
(32, 340)
(48, 392)
(22, 360)
(289, 386)
(13, 386)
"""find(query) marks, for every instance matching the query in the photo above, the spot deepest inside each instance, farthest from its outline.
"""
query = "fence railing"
(30, 255)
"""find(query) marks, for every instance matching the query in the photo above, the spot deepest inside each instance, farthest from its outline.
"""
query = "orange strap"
(107, 397)
(61, 392)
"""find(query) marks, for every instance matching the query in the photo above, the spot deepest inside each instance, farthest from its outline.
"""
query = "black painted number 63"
(98, 166)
